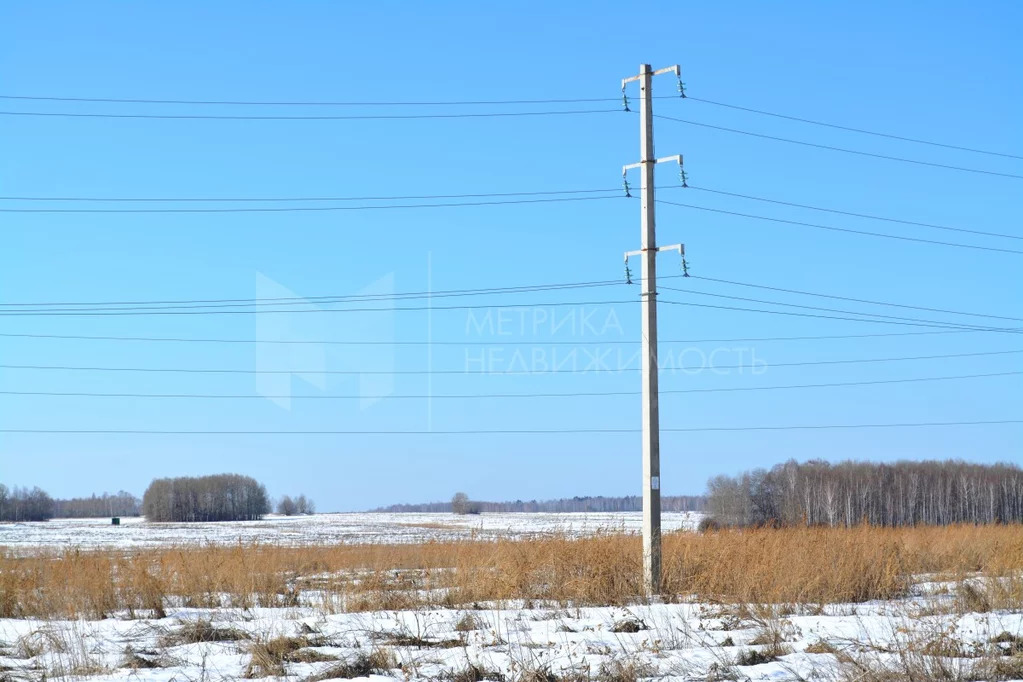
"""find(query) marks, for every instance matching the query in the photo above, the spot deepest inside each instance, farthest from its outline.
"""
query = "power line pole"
(648, 284)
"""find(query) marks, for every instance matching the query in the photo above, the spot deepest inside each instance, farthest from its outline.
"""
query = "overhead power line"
(855, 300)
(406, 197)
(189, 304)
(503, 342)
(853, 129)
(338, 298)
(856, 215)
(841, 229)
(311, 209)
(480, 396)
(321, 103)
(615, 192)
(936, 324)
(255, 307)
(830, 310)
(491, 102)
(858, 152)
(197, 306)
(144, 311)
(172, 310)
(563, 370)
(445, 432)
(325, 117)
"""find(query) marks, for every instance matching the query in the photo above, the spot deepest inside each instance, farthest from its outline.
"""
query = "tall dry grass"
(794, 565)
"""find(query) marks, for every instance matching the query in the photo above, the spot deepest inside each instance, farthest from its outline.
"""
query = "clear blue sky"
(947, 72)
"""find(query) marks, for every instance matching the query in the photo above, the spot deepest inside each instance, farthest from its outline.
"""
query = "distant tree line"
(676, 503)
(289, 506)
(845, 494)
(223, 497)
(24, 504)
(119, 504)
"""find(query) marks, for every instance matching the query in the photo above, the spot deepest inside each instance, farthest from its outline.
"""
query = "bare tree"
(287, 506)
(460, 503)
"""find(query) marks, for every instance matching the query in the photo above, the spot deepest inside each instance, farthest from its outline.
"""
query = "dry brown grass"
(781, 566)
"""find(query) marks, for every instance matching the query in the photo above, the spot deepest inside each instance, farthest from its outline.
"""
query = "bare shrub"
(378, 661)
(766, 654)
(467, 623)
(821, 647)
(473, 672)
(629, 625)
(140, 660)
(202, 630)
(623, 670)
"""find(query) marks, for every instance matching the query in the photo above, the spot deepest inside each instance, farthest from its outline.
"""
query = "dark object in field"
(631, 625)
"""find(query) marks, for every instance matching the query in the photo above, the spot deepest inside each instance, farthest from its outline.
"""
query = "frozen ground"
(321, 529)
(660, 642)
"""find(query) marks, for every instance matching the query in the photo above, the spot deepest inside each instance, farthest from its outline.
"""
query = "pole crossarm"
(681, 248)
(664, 159)
(676, 69)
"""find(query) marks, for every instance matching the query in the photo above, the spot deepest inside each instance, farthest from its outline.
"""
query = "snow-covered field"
(322, 529)
(666, 642)
(928, 635)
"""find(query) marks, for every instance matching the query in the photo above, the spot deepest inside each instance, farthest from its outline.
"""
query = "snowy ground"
(926, 634)
(321, 529)
(669, 642)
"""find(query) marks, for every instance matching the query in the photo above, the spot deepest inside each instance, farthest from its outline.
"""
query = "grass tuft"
(201, 631)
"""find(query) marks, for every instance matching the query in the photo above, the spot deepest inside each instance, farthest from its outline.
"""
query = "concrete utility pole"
(648, 253)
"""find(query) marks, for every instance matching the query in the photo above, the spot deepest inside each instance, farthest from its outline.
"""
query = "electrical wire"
(122, 312)
(580, 100)
(363, 117)
(1006, 330)
(538, 342)
(855, 215)
(407, 197)
(446, 432)
(434, 198)
(171, 310)
(841, 149)
(320, 103)
(311, 209)
(829, 310)
(169, 306)
(854, 300)
(337, 298)
(573, 370)
(480, 396)
(854, 130)
(841, 229)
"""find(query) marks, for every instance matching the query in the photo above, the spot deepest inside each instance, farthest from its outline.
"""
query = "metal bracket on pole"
(677, 70)
(681, 248)
(664, 159)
